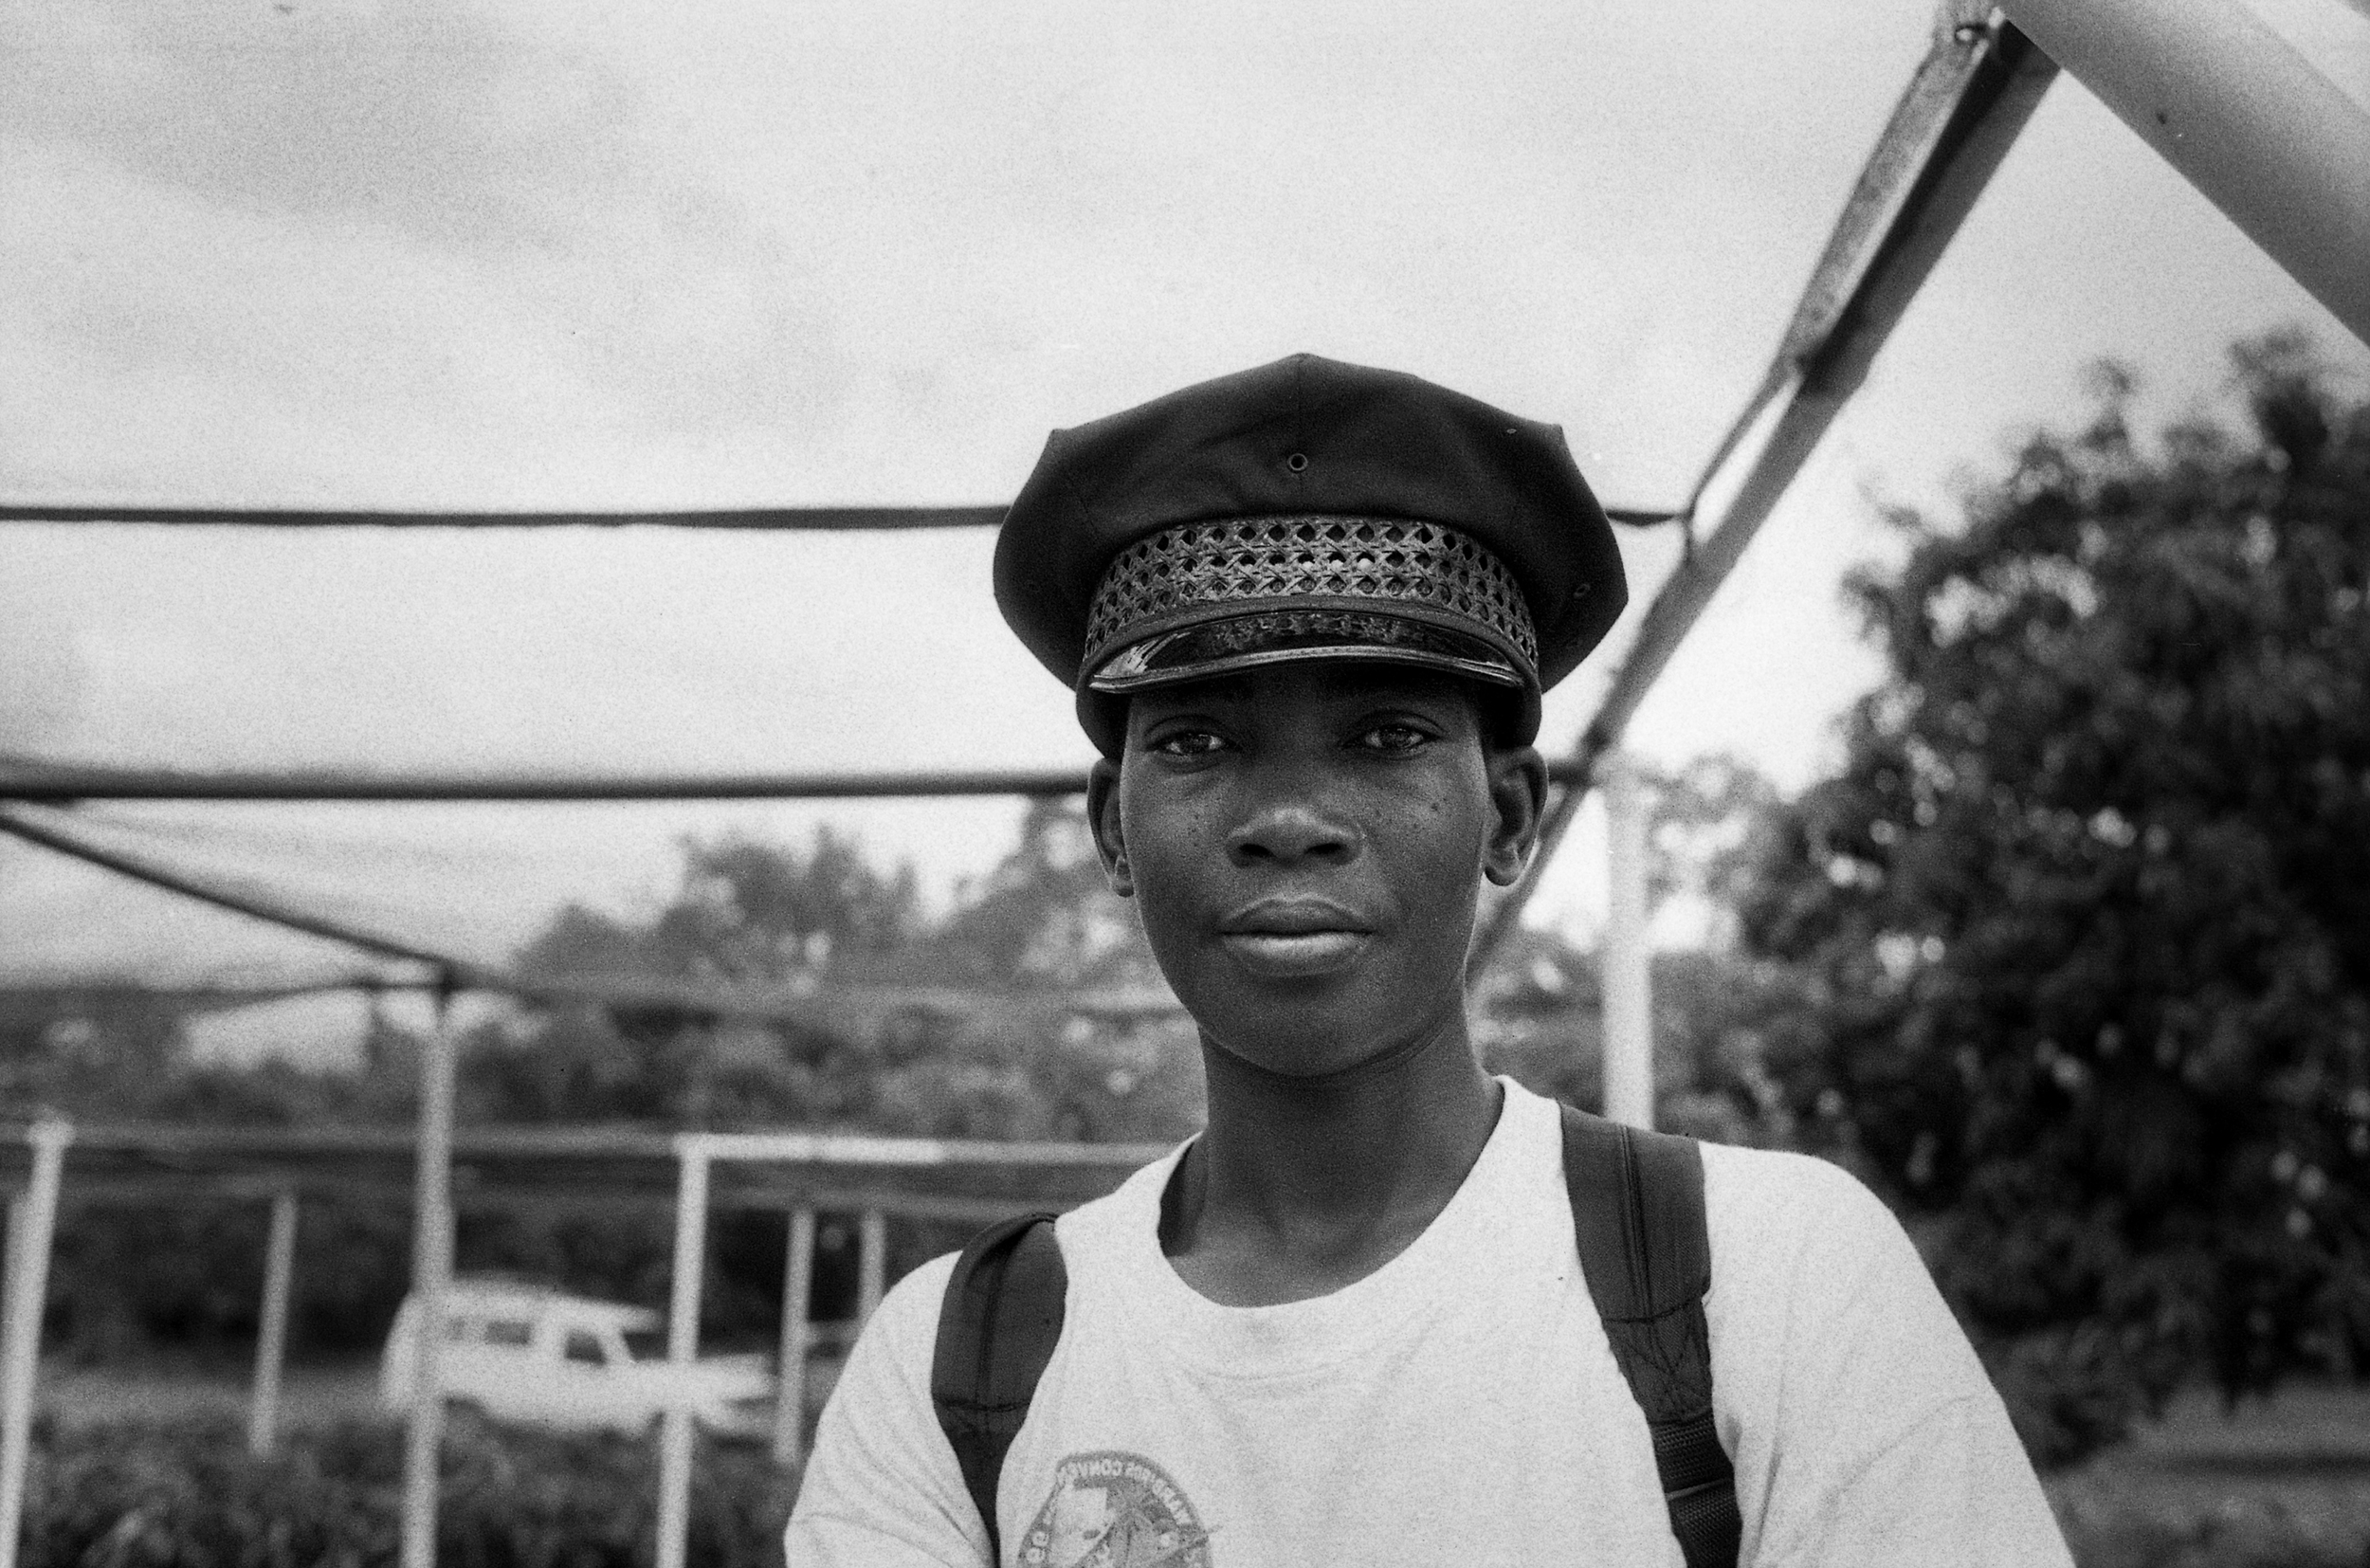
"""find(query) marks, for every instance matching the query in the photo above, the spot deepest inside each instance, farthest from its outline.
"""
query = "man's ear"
(1103, 818)
(1518, 797)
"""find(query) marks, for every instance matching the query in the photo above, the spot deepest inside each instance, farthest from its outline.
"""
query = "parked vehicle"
(532, 1352)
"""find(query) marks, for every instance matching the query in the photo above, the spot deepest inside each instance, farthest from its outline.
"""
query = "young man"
(1308, 611)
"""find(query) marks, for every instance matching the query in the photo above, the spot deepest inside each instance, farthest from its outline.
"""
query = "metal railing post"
(33, 1225)
(432, 1272)
(682, 1349)
(271, 1332)
(1629, 1012)
(790, 1398)
(872, 1263)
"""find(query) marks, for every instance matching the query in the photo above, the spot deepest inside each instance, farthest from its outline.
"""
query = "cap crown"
(1307, 437)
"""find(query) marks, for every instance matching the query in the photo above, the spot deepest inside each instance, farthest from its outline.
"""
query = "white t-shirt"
(1458, 1406)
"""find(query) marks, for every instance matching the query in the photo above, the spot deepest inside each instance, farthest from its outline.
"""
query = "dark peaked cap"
(1304, 438)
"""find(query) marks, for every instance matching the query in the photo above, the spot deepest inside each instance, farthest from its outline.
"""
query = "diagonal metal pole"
(51, 829)
(1977, 87)
(2263, 130)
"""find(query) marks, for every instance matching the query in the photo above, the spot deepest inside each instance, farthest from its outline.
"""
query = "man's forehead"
(1345, 681)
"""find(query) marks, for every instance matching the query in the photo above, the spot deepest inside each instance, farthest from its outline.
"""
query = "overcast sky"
(586, 255)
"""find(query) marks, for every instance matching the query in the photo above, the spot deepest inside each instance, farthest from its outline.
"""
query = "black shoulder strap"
(996, 1331)
(1637, 1212)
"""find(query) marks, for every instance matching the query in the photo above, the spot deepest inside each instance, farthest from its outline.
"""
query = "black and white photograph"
(912, 784)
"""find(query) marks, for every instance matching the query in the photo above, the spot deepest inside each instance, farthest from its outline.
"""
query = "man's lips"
(1290, 916)
(1292, 938)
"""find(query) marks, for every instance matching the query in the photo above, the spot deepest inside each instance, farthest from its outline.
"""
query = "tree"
(2085, 917)
(70, 1052)
(1045, 913)
(747, 911)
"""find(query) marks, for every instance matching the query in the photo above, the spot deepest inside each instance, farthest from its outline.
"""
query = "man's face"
(1306, 842)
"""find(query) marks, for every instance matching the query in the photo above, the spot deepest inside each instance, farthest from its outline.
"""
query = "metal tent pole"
(790, 1395)
(33, 1225)
(432, 1272)
(271, 1334)
(682, 1349)
(1629, 1011)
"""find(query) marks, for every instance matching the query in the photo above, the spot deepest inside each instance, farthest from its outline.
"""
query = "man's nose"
(1293, 833)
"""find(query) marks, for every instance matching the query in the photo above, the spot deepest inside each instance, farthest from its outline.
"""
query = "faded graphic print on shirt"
(1109, 1510)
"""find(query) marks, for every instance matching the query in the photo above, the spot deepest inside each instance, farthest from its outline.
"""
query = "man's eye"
(1393, 738)
(1188, 744)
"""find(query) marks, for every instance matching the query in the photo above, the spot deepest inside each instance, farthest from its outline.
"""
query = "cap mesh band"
(1160, 580)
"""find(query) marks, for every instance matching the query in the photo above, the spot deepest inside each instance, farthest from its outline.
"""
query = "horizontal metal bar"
(757, 519)
(589, 1192)
(59, 786)
(861, 1149)
(206, 996)
(774, 518)
(560, 1144)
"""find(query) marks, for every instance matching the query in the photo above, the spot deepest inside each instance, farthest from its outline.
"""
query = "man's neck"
(1300, 1186)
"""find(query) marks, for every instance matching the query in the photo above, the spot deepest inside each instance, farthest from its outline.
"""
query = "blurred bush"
(189, 1496)
(2103, 1533)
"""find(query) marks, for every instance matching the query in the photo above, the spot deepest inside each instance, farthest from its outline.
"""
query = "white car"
(531, 1353)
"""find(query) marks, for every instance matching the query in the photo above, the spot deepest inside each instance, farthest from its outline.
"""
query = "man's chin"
(1320, 1051)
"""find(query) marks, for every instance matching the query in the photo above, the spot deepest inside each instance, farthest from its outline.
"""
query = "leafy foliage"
(2085, 918)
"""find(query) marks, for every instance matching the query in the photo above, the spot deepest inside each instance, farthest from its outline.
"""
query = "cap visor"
(1227, 645)
(1472, 669)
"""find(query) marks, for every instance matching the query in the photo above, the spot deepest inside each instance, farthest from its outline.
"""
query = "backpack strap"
(1645, 1248)
(997, 1326)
